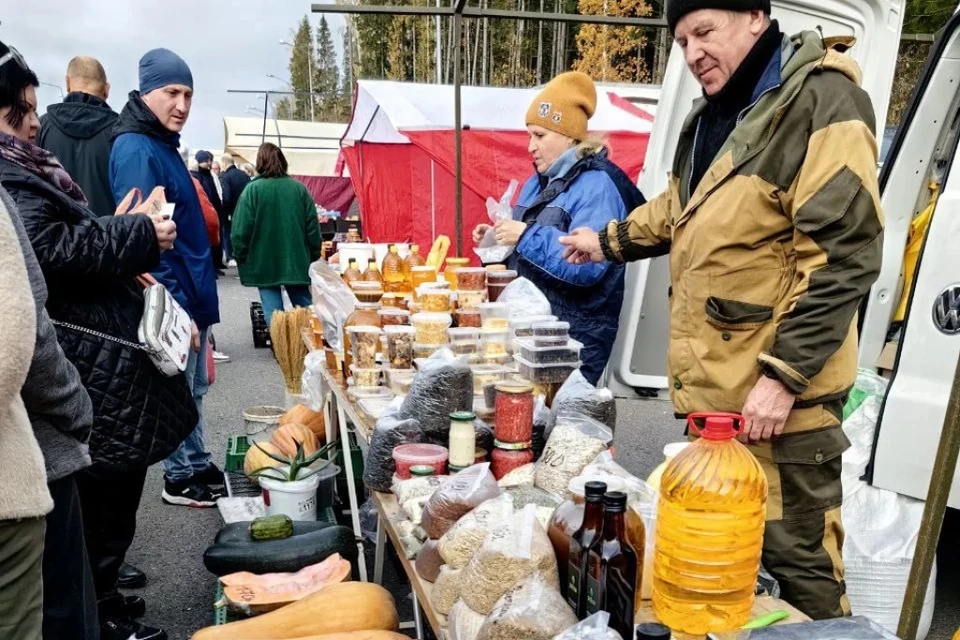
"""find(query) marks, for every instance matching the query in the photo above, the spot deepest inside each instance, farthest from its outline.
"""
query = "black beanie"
(676, 9)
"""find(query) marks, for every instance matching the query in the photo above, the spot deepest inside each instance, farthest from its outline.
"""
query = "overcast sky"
(228, 45)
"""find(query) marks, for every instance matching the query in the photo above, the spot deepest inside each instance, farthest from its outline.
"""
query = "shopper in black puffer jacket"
(90, 264)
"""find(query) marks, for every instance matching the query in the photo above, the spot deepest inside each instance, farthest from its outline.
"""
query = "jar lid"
(463, 416)
(422, 470)
(399, 328)
(513, 446)
(496, 267)
(453, 469)
(459, 262)
(517, 388)
(468, 270)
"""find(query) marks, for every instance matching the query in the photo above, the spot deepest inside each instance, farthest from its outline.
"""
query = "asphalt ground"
(171, 540)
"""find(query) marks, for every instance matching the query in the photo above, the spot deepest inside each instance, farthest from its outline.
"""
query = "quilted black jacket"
(90, 265)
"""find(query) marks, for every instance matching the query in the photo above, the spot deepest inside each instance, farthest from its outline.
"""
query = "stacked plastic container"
(549, 355)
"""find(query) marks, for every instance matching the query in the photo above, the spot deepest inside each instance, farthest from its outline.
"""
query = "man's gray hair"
(227, 160)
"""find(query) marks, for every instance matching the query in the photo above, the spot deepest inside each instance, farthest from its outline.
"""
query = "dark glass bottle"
(580, 543)
(612, 568)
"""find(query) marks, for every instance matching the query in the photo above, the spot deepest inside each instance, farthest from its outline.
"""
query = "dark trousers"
(110, 502)
(69, 600)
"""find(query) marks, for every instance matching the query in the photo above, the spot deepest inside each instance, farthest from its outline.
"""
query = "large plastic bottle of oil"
(709, 535)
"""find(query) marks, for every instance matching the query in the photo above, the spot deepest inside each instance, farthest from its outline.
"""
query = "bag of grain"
(456, 496)
(459, 544)
(532, 610)
(574, 442)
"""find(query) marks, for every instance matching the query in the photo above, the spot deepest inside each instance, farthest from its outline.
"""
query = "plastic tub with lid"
(468, 318)
(364, 345)
(400, 380)
(545, 373)
(495, 315)
(550, 334)
(522, 326)
(471, 279)
(411, 455)
(493, 342)
(431, 327)
(390, 316)
(463, 334)
(486, 373)
(366, 377)
(560, 354)
(434, 299)
(471, 299)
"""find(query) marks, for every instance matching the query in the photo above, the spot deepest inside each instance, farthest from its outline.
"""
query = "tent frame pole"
(457, 113)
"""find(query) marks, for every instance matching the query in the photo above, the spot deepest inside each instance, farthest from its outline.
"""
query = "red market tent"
(399, 147)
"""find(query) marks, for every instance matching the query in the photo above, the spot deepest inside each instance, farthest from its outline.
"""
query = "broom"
(286, 332)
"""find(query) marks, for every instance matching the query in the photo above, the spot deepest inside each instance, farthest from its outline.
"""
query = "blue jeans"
(191, 456)
(272, 300)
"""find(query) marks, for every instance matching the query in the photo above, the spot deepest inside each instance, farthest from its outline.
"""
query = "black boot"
(131, 578)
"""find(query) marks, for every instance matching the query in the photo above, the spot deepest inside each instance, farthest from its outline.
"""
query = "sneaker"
(189, 494)
(129, 577)
(211, 476)
(121, 629)
(220, 357)
(232, 264)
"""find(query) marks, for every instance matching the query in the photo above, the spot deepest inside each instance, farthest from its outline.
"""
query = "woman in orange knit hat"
(574, 185)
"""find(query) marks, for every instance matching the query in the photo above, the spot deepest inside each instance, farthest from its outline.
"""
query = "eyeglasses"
(14, 55)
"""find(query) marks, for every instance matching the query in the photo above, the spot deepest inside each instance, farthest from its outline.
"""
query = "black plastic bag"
(390, 432)
(443, 386)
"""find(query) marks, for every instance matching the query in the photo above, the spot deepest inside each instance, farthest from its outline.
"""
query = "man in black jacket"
(207, 180)
(233, 181)
(78, 130)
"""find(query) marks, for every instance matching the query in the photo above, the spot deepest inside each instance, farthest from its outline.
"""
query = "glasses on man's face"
(14, 55)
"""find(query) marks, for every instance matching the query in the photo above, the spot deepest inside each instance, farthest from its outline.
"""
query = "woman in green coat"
(275, 233)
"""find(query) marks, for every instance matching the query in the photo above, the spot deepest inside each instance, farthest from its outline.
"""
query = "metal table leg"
(417, 616)
(351, 488)
(380, 550)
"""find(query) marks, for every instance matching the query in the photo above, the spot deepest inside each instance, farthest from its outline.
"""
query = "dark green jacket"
(275, 233)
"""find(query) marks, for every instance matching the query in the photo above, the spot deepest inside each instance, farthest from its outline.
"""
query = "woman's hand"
(166, 230)
(479, 231)
(509, 231)
(583, 245)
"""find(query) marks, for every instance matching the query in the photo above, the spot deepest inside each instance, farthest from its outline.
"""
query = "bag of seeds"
(464, 622)
(593, 628)
(389, 432)
(578, 397)
(574, 442)
(519, 477)
(456, 496)
(444, 385)
(510, 553)
(459, 544)
(446, 589)
(429, 561)
(531, 610)
(416, 487)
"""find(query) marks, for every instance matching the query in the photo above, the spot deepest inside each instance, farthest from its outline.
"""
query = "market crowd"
(770, 219)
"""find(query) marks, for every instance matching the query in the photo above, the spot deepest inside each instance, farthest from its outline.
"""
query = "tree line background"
(516, 53)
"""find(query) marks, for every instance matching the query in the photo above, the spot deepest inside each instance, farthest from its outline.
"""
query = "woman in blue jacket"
(574, 185)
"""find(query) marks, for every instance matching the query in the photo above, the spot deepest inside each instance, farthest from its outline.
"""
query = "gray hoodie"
(59, 408)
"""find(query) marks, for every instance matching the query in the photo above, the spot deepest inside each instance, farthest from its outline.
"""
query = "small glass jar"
(463, 438)
(514, 412)
(504, 460)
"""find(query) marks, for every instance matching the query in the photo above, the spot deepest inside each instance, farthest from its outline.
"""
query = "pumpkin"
(287, 437)
(360, 635)
(253, 595)
(257, 458)
(313, 420)
(336, 609)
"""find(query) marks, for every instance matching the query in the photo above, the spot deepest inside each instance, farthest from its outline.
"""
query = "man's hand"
(166, 230)
(194, 337)
(479, 231)
(509, 231)
(583, 245)
(766, 410)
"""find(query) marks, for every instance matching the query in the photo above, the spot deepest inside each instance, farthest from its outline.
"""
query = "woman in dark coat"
(90, 264)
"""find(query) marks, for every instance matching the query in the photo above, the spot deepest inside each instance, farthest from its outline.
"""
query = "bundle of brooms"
(286, 332)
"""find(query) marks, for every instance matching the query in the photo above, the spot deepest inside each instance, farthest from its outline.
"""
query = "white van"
(925, 146)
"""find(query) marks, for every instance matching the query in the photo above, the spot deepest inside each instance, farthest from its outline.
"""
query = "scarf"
(40, 163)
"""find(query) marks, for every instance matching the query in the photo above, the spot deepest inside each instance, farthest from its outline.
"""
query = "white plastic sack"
(333, 301)
(311, 382)
(487, 249)
(524, 299)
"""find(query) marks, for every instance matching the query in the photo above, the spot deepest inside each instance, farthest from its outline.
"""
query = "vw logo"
(946, 310)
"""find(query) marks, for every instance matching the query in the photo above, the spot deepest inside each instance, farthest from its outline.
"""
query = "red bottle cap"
(717, 426)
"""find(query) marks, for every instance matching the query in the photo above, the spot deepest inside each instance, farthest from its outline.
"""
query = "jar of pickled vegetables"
(507, 456)
(514, 412)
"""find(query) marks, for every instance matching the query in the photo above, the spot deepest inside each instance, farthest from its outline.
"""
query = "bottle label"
(593, 595)
(573, 586)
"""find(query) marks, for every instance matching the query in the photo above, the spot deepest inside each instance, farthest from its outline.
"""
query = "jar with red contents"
(507, 456)
(514, 413)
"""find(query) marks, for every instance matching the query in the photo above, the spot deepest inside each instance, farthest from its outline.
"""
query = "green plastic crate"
(237, 447)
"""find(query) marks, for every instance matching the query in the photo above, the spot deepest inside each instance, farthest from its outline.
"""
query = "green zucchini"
(275, 527)
(285, 555)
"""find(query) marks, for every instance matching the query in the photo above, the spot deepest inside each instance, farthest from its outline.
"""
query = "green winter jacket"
(275, 233)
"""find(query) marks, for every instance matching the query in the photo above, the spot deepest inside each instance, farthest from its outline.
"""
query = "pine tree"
(302, 59)
(326, 74)
(612, 54)
(283, 109)
(346, 78)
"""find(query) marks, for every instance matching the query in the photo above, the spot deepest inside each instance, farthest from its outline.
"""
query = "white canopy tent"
(311, 148)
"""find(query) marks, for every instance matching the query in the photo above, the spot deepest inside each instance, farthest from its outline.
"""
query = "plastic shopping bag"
(488, 250)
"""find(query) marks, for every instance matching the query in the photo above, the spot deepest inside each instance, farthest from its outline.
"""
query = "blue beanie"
(162, 67)
(203, 156)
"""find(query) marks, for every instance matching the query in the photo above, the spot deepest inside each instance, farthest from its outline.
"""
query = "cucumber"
(240, 531)
(239, 552)
(271, 528)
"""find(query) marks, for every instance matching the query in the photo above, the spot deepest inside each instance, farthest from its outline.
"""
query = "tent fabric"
(330, 192)
(399, 148)
(311, 148)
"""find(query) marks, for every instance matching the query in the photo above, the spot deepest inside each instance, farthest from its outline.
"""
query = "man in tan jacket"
(24, 498)
(773, 226)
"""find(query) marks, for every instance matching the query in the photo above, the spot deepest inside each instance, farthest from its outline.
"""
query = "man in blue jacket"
(145, 155)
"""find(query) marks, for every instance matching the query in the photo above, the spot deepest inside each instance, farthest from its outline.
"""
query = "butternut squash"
(313, 420)
(254, 595)
(338, 608)
(255, 458)
(359, 635)
(287, 437)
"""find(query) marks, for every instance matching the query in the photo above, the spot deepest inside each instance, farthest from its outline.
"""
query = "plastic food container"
(551, 334)
(495, 267)
(411, 455)
(434, 300)
(468, 318)
(562, 354)
(494, 341)
(450, 270)
(522, 327)
(420, 275)
(421, 350)
(431, 327)
(463, 334)
(364, 344)
(393, 301)
(545, 373)
(497, 281)
(471, 299)
(471, 279)
(399, 380)
(485, 374)
(367, 291)
(365, 377)
(390, 316)
(370, 393)
(399, 340)
(495, 315)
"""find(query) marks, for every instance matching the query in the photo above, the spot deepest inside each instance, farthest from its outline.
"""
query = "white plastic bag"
(593, 628)
(488, 250)
(524, 299)
(334, 301)
(464, 622)
(311, 382)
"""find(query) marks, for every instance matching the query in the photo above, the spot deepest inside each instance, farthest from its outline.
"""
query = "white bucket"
(261, 422)
(297, 499)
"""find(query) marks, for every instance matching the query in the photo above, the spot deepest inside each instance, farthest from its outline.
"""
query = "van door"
(639, 355)
(924, 150)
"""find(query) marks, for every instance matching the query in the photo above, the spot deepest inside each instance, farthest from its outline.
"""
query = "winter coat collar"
(137, 117)
(81, 115)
